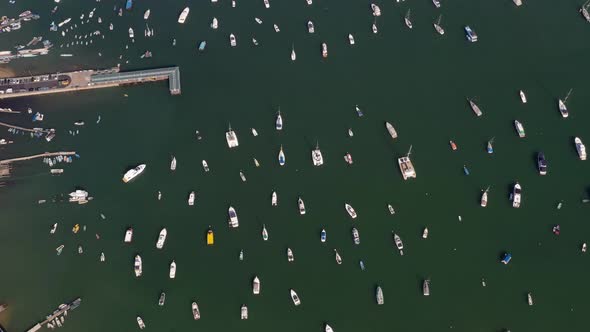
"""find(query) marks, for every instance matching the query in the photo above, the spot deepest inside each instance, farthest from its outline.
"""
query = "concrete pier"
(85, 80)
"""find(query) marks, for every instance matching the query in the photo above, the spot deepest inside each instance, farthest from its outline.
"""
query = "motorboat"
(355, 236)
(301, 206)
(398, 243)
(337, 256)
(348, 158)
(259, 21)
(465, 170)
(202, 45)
(128, 235)
(256, 286)
(324, 50)
(196, 312)
(133, 173)
(581, 148)
(233, 217)
(131, 33)
(290, 256)
(214, 23)
(210, 237)
(376, 10)
(453, 145)
(264, 233)
(359, 112)
(316, 156)
(254, 132)
(281, 156)
(379, 296)
(522, 97)
(323, 235)
(529, 298)
(183, 15)
(562, 108)
(475, 108)
(407, 20)
(266, 4)
(374, 27)
(274, 199)
(309, 2)
(516, 195)
(439, 29)
(173, 164)
(205, 165)
(391, 130)
(362, 265)
(426, 287)
(137, 267)
(279, 121)
(350, 39)
(140, 323)
(470, 34)
(53, 229)
(490, 146)
(102, 257)
(293, 54)
(350, 211)
(231, 138)
(242, 176)
(541, 163)
(191, 198)
(241, 256)
(584, 247)
(519, 129)
(425, 233)
(484, 198)
(172, 272)
(295, 297)
(232, 40)
(390, 208)
(254, 41)
(310, 27)
(162, 299)
(327, 328)
(276, 27)
(161, 238)
(244, 312)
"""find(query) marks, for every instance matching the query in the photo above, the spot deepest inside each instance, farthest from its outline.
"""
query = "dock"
(42, 155)
(63, 308)
(16, 87)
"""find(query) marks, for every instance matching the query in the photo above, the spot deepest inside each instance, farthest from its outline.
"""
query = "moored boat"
(316, 156)
(406, 167)
(390, 208)
(138, 266)
(295, 297)
(172, 272)
(328, 328)
(324, 50)
(350, 210)
(323, 235)
(244, 312)
(146, 14)
(279, 120)
(580, 147)
(140, 323)
(562, 108)
(214, 23)
(425, 233)
(541, 163)
(210, 237)
(490, 146)
(191, 198)
(290, 256)
(256, 286)
(529, 298)
(519, 129)
(379, 296)
(173, 164)
(183, 15)
(426, 287)
(233, 217)
(162, 299)
(484, 198)
(376, 10)
(407, 20)
(522, 97)
(128, 235)
(470, 34)
(516, 195)
(355, 236)
(134, 172)
(474, 107)
(231, 138)
(337, 256)
(205, 165)
(274, 199)
(196, 312)
(310, 27)
(264, 233)
(161, 238)
(398, 243)
(232, 40)
(281, 156)
(348, 158)
(301, 206)
(438, 27)
(350, 39)
(392, 132)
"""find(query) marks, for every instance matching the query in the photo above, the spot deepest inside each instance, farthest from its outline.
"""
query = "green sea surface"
(415, 79)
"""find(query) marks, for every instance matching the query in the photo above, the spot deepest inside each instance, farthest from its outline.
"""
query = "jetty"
(16, 87)
(42, 155)
(61, 310)
(34, 130)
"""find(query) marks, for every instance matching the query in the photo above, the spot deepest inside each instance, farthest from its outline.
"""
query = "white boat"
(172, 272)
(438, 27)
(290, 256)
(102, 257)
(191, 198)
(398, 243)
(584, 247)
(436, 3)
(231, 138)
(484, 198)
(159, 195)
(293, 54)
(376, 10)
(276, 27)
(183, 15)
(519, 129)
(233, 218)
(324, 50)
(254, 41)
(374, 27)
(140, 323)
(295, 297)
(259, 21)
(196, 311)
(390, 208)
(406, 167)
(256, 286)
(522, 96)
(281, 156)
(309, 2)
(379, 296)
(301, 206)
(316, 156)
(274, 199)
(350, 211)
(407, 20)
(355, 236)
(53, 229)
(337, 256)
(173, 164)
(350, 39)
(254, 132)
(232, 40)
(310, 27)
(518, 3)
(279, 121)
(242, 176)
(391, 130)
(137, 267)
(128, 235)
(266, 4)
(131, 33)
(581, 148)
(529, 298)
(328, 328)
(205, 165)
(475, 108)
(425, 233)
(161, 238)
(214, 24)
(132, 173)
(264, 233)
(426, 287)
(516, 195)
(244, 312)
(146, 15)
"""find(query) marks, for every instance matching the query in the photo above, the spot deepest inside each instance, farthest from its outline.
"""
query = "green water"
(415, 79)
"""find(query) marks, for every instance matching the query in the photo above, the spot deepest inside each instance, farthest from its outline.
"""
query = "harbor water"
(415, 79)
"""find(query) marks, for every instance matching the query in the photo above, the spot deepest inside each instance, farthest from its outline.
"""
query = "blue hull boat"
(129, 4)
(506, 259)
(465, 170)
(202, 45)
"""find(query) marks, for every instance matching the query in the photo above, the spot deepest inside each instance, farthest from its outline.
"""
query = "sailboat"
(438, 27)
(474, 107)
(374, 27)
(264, 233)
(274, 199)
(484, 197)
(337, 256)
(490, 147)
(562, 107)
(281, 156)
(293, 55)
(279, 121)
(407, 20)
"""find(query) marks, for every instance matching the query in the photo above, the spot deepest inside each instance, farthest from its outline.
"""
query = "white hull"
(162, 238)
(183, 16)
(134, 172)
(172, 273)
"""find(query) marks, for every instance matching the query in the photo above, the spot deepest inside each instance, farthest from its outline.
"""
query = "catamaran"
(310, 27)
(407, 20)
(279, 120)
(132, 173)
(581, 148)
(301, 206)
(281, 156)
(316, 156)
(172, 272)
(474, 107)
(128, 235)
(391, 130)
(355, 236)
(438, 27)
(516, 195)
(138, 266)
(484, 198)
(161, 238)
(232, 40)
(173, 164)
(196, 312)
(350, 211)
(519, 129)
(274, 199)
(191, 198)
(379, 296)
(256, 286)
(522, 97)
(350, 39)
(231, 138)
(337, 256)
(406, 167)
(295, 297)
(233, 217)
(183, 15)
(290, 256)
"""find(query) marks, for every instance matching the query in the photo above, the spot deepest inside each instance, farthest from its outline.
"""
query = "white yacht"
(259, 21)
(138, 266)
(309, 2)
(196, 311)
(301, 206)
(161, 238)
(390, 208)
(146, 15)
(522, 96)
(581, 148)
(350, 39)
(183, 15)
(53, 229)
(214, 23)
(337, 256)
(316, 156)
(264, 233)
(279, 121)
(256, 286)
(274, 199)
(425, 233)
(128, 235)
(391, 130)
(102, 257)
(233, 217)
(140, 323)
(516, 195)
(398, 243)
(376, 10)
(172, 272)
(266, 4)
(379, 296)
(254, 132)
(295, 297)
(173, 164)
(519, 129)
(132, 173)
(562, 108)
(475, 108)
(205, 165)
(281, 156)
(310, 27)
(191, 198)
(276, 28)
(529, 298)
(426, 287)
(290, 256)
(244, 312)
(242, 176)
(231, 138)
(232, 40)
(293, 54)
(438, 27)
(350, 211)
(484, 198)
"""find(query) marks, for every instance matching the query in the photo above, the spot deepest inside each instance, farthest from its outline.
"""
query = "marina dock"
(42, 155)
(85, 80)
(63, 308)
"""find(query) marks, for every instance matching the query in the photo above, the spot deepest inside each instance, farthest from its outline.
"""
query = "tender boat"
(453, 145)
(407, 20)
(295, 297)
(196, 312)
(233, 218)
(406, 167)
(173, 164)
(183, 15)
(172, 272)
(391, 130)
(231, 138)
(316, 156)
(470, 34)
(205, 165)
(522, 97)
(162, 299)
(519, 129)
(541, 163)
(324, 50)
(337, 256)
(426, 287)
(484, 198)
(256, 286)
(376, 10)
(232, 40)
(581, 148)
(161, 238)
(279, 121)
(362, 265)
(516, 195)
(274, 199)
(134, 172)
(350, 39)
(210, 237)
(241, 256)
(529, 298)
(264, 233)
(191, 198)
(281, 156)
(323, 235)
(254, 132)
(379, 296)
(128, 235)
(244, 312)
(475, 108)
(310, 27)
(355, 236)
(301, 206)
(290, 256)
(390, 208)
(140, 323)
(350, 211)
(425, 233)
(137, 267)
(202, 45)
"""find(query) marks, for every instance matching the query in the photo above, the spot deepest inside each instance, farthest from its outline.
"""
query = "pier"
(85, 80)
(42, 155)
(34, 130)
(56, 314)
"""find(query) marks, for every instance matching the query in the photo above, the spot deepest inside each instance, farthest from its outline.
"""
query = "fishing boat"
(406, 167)
(233, 217)
(398, 242)
(350, 39)
(131, 33)
(522, 97)
(231, 138)
(425, 233)
(214, 23)
(327, 328)
(465, 170)
(519, 129)
(301, 206)
(161, 238)
(426, 287)
(376, 10)
(470, 34)
(516, 195)
(202, 45)
(295, 297)
(474, 107)
(350, 211)
(390, 208)
(244, 312)
(379, 296)
(196, 312)
(290, 256)
(162, 299)
(348, 158)
(172, 272)
(438, 27)
(191, 198)
(316, 156)
(355, 236)
(529, 298)
(183, 15)
(205, 165)
(128, 235)
(137, 267)
(276, 27)
(374, 27)
(266, 4)
(490, 146)
(256, 286)
(337, 256)
(359, 112)
(232, 40)
(581, 148)
(484, 197)
(293, 54)
(210, 237)
(323, 235)
(134, 172)
(279, 120)
(281, 156)
(173, 164)
(274, 199)
(391, 130)
(541, 163)
(146, 14)
(264, 233)
(436, 3)
(407, 20)
(140, 323)
(324, 50)
(310, 27)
